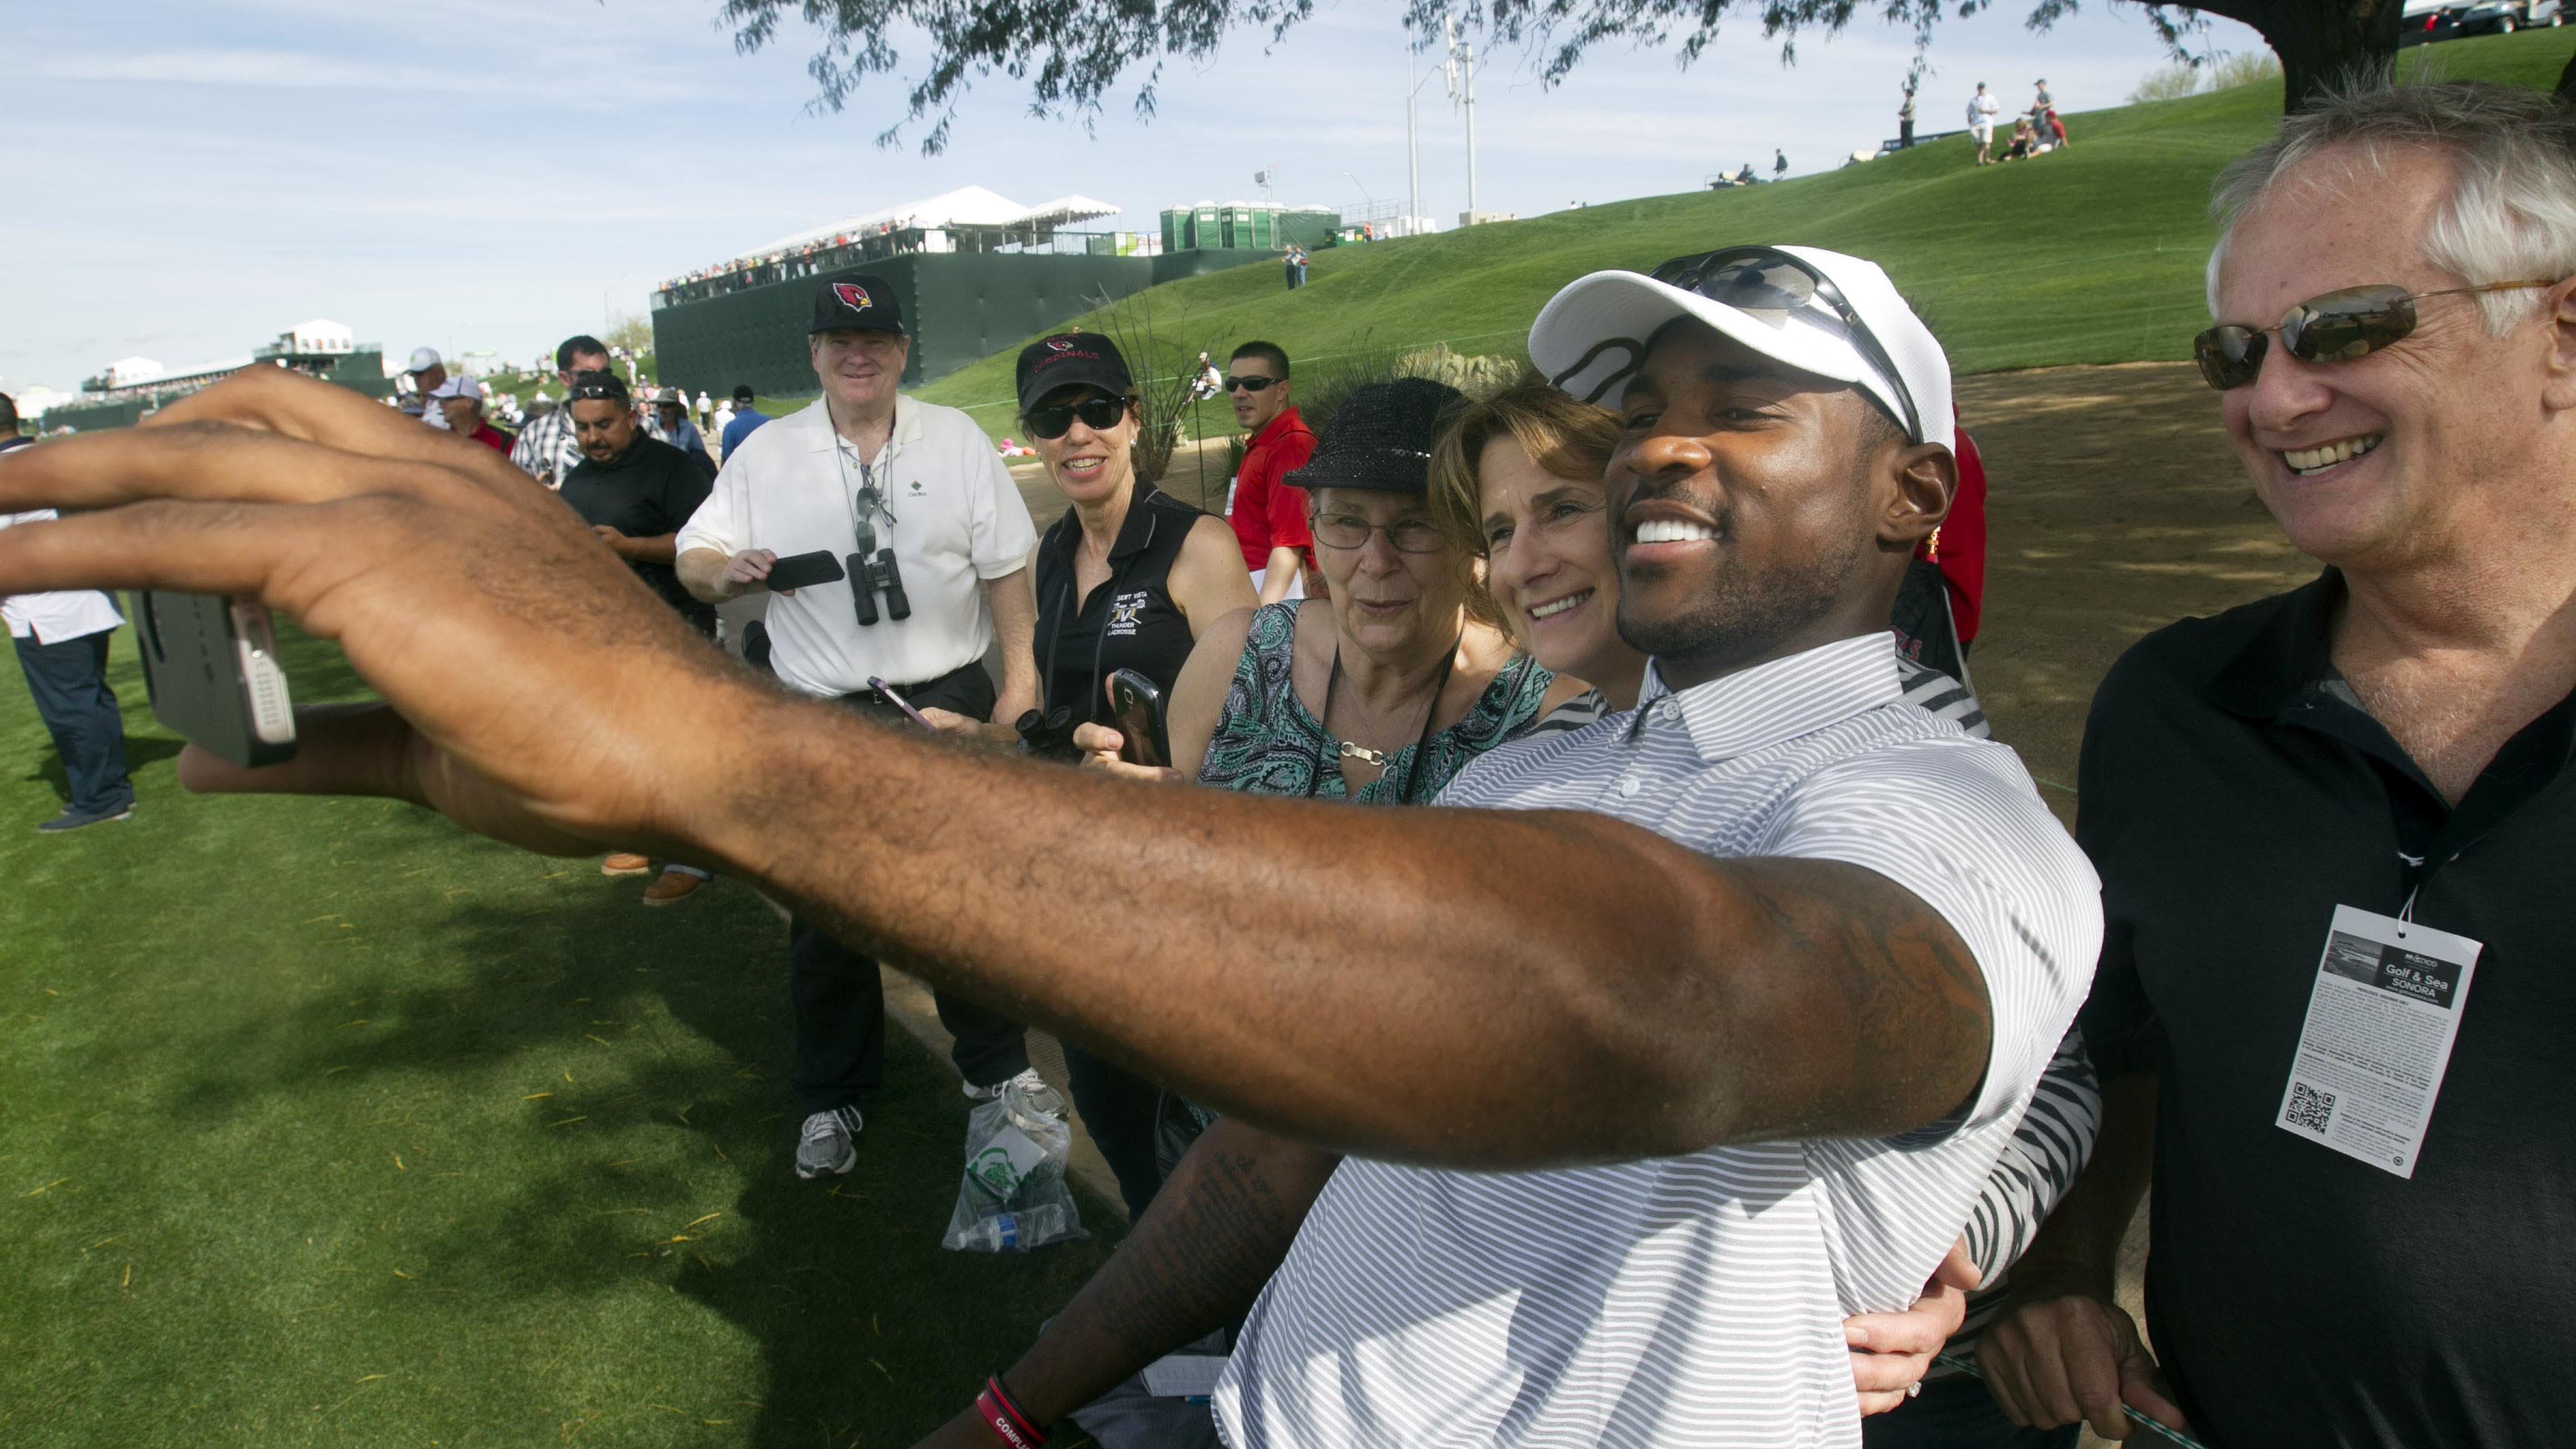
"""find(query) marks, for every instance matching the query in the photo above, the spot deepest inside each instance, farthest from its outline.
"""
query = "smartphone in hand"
(1138, 707)
(887, 691)
(803, 571)
(211, 668)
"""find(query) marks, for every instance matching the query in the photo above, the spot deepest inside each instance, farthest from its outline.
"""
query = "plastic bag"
(1014, 1196)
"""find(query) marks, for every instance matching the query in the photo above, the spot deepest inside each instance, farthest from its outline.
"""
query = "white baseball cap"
(1592, 335)
(423, 359)
(458, 386)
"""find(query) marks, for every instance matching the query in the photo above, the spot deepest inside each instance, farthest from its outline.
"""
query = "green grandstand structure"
(972, 272)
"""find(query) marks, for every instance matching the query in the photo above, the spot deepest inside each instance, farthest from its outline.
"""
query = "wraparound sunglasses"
(1097, 413)
(2334, 327)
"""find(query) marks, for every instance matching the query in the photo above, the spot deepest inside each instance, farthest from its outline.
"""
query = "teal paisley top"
(1268, 743)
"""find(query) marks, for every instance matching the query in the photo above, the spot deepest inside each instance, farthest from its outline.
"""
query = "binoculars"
(1048, 734)
(870, 575)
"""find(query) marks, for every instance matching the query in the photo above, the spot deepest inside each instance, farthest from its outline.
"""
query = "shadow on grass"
(140, 751)
(665, 1150)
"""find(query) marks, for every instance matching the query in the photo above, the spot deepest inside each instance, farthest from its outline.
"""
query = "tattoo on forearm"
(1906, 982)
(1201, 1254)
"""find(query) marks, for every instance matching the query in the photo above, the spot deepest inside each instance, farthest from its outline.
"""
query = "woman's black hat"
(1380, 438)
(1072, 359)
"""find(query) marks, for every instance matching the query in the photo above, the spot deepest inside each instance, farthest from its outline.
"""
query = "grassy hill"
(2093, 255)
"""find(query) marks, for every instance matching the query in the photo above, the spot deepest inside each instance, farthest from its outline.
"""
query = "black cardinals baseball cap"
(866, 303)
(1069, 360)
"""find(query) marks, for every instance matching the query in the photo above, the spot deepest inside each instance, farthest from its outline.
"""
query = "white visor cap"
(1616, 308)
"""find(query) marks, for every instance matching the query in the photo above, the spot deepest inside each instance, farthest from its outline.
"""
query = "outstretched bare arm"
(1366, 981)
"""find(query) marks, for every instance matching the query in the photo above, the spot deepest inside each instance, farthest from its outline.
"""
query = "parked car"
(2427, 21)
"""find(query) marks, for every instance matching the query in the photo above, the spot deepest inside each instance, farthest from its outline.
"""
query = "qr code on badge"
(2310, 1108)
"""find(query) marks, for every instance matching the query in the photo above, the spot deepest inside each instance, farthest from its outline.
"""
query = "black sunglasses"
(1097, 414)
(595, 392)
(2335, 327)
(1249, 384)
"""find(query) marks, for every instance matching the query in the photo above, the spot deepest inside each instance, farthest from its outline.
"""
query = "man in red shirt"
(460, 398)
(1269, 517)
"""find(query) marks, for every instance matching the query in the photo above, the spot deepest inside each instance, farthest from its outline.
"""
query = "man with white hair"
(2336, 831)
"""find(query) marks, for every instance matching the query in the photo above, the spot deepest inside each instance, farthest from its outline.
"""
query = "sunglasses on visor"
(1762, 279)
(1097, 414)
(2334, 327)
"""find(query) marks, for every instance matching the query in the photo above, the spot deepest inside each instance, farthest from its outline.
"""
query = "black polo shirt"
(2233, 794)
(645, 492)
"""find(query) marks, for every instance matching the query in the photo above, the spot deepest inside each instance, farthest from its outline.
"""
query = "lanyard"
(867, 498)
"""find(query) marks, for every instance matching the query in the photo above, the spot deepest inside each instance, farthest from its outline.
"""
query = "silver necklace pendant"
(1364, 754)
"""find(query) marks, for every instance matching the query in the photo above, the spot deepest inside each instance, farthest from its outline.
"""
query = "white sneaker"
(1027, 1081)
(827, 1148)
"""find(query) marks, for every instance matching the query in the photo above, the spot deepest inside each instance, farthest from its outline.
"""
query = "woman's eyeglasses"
(1249, 384)
(1097, 413)
(1409, 535)
(2334, 327)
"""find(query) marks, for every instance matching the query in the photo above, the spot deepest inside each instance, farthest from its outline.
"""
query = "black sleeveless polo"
(1130, 622)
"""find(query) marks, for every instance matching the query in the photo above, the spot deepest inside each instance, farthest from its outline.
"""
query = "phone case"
(805, 570)
(211, 668)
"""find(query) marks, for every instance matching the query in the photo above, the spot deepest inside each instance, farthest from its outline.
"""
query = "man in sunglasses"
(2336, 831)
(931, 544)
(1620, 1082)
(546, 449)
(1267, 514)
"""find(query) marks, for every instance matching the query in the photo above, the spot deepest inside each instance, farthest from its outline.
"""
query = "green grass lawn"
(324, 1123)
(2093, 255)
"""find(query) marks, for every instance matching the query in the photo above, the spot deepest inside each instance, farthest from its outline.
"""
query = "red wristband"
(1007, 1422)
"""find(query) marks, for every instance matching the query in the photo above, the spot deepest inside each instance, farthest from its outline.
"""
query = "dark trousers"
(1904, 135)
(1118, 1109)
(840, 999)
(69, 680)
(1958, 1413)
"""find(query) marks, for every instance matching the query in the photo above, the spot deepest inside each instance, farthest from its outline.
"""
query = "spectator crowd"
(1705, 1035)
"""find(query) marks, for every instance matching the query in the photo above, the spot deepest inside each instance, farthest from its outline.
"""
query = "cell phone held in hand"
(211, 668)
(1138, 707)
(886, 692)
(804, 571)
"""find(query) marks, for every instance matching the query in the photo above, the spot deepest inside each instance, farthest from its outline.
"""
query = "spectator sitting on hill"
(2023, 139)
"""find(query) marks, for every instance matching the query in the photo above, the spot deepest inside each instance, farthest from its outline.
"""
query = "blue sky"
(191, 179)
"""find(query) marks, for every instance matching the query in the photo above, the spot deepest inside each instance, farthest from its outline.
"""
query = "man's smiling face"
(2370, 461)
(1743, 507)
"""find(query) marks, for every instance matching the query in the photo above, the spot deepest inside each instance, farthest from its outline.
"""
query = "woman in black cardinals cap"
(1129, 578)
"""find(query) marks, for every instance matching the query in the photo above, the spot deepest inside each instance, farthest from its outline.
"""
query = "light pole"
(1461, 70)
(1412, 142)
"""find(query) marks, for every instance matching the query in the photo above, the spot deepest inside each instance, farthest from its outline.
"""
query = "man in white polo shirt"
(934, 544)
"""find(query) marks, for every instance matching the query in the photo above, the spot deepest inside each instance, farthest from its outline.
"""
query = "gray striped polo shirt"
(1692, 1300)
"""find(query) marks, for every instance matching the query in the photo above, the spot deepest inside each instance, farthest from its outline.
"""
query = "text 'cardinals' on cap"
(1831, 316)
(1069, 360)
(423, 359)
(865, 303)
